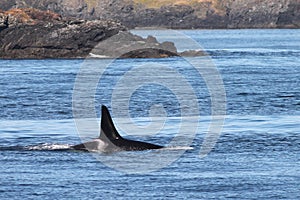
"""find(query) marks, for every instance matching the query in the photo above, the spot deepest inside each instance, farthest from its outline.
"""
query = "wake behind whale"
(109, 140)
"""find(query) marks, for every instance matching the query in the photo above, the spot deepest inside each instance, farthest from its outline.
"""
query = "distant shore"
(176, 14)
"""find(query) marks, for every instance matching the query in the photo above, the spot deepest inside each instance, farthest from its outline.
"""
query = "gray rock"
(220, 14)
(151, 39)
(128, 45)
(290, 18)
(3, 21)
(192, 53)
(55, 40)
(53, 37)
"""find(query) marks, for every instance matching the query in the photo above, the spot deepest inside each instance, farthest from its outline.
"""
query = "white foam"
(178, 148)
(49, 147)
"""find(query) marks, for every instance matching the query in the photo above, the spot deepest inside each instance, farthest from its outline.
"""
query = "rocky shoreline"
(31, 33)
(176, 14)
(84, 28)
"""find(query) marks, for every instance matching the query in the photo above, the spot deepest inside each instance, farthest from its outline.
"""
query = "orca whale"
(110, 140)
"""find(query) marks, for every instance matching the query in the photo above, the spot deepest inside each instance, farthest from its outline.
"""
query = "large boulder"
(128, 45)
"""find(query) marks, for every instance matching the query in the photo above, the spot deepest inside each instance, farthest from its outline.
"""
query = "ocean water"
(255, 154)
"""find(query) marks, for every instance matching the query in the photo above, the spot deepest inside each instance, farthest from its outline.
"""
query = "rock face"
(257, 14)
(48, 36)
(29, 16)
(291, 17)
(177, 13)
(31, 33)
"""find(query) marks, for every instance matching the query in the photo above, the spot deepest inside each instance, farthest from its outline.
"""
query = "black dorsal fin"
(108, 129)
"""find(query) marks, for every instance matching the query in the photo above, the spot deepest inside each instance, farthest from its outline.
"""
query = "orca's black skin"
(111, 140)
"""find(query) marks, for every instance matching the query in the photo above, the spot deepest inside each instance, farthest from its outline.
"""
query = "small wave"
(64, 147)
(92, 55)
(252, 52)
(48, 147)
(11, 148)
(40, 147)
(178, 148)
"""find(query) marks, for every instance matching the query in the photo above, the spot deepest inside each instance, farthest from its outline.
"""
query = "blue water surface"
(256, 156)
